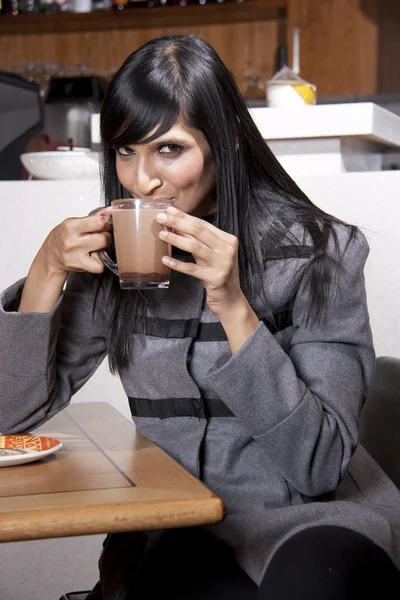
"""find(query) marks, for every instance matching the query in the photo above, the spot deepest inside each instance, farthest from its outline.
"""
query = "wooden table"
(106, 478)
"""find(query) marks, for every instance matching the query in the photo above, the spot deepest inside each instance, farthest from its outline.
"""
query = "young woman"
(251, 370)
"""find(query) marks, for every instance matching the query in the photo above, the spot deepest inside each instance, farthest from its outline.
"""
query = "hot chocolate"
(138, 246)
(139, 249)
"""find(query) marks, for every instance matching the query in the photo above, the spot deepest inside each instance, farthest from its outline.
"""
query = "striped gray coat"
(272, 430)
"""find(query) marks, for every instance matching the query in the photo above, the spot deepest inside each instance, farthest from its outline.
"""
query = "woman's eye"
(125, 151)
(170, 149)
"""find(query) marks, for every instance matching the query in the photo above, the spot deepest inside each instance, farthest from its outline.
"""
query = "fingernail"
(162, 217)
(168, 261)
(163, 234)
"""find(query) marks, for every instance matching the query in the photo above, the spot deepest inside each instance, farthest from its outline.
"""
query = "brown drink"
(138, 247)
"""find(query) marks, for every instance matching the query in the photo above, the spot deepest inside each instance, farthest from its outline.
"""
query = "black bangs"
(137, 126)
(138, 111)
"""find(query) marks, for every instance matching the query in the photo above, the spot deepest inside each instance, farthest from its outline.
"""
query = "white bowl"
(74, 149)
(62, 165)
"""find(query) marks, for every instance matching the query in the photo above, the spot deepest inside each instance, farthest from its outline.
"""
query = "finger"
(223, 235)
(202, 230)
(187, 243)
(193, 269)
(98, 241)
(93, 264)
(107, 213)
(107, 210)
(87, 225)
(102, 222)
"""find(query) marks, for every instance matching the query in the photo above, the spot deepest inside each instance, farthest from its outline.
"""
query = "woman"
(260, 381)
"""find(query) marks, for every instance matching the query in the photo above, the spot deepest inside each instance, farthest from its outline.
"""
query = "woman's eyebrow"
(168, 140)
(164, 141)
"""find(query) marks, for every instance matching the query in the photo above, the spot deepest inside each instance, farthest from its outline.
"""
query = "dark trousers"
(319, 563)
(330, 563)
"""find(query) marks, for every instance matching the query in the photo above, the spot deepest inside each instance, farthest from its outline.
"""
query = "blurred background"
(348, 47)
(71, 48)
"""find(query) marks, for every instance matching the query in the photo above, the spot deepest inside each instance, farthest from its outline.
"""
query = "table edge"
(135, 516)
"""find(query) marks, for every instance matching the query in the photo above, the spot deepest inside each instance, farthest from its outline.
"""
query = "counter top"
(361, 119)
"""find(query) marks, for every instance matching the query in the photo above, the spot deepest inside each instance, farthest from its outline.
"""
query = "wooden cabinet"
(246, 35)
(348, 47)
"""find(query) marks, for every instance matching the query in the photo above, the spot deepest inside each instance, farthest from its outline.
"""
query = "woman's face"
(177, 165)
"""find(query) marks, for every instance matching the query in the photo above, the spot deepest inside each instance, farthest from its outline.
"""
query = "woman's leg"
(330, 563)
(121, 558)
(181, 564)
(189, 564)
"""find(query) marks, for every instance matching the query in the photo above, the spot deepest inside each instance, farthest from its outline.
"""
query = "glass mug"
(138, 247)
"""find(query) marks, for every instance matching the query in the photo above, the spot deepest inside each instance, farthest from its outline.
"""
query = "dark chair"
(379, 432)
(380, 418)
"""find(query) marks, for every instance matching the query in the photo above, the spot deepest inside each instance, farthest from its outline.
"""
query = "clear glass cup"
(138, 246)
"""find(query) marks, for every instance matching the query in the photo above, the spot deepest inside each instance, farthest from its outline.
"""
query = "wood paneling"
(348, 47)
(338, 45)
(246, 40)
(388, 14)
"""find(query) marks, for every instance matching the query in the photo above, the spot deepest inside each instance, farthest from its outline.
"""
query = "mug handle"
(107, 262)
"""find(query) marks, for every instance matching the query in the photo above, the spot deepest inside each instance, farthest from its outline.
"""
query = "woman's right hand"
(72, 245)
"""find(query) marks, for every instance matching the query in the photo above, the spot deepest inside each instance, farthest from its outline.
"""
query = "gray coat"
(272, 430)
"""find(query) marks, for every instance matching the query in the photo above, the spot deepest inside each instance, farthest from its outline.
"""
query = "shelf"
(143, 18)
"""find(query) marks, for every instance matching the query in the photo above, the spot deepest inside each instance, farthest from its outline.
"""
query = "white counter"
(330, 138)
(361, 120)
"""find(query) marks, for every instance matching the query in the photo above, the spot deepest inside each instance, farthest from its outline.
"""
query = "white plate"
(59, 165)
(21, 449)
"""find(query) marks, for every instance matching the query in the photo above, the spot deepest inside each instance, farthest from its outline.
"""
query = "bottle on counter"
(101, 5)
(29, 6)
(287, 89)
(16, 7)
(132, 4)
(119, 4)
(63, 5)
(137, 3)
(47, 6)
(153, 3)
(81, 6)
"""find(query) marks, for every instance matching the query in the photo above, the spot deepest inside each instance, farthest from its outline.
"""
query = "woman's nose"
(147, 180)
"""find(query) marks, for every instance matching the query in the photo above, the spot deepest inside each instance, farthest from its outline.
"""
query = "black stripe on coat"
(204, 332)
(179, 407)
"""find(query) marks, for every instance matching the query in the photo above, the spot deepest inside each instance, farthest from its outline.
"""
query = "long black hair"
(182, 76)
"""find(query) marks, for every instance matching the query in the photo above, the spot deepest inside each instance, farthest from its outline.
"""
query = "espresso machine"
(21, 117)
(71, 101)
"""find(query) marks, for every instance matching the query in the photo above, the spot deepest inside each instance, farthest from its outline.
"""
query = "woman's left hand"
(215, 253)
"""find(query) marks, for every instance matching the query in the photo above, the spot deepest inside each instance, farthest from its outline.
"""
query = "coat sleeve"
(46, 357)
(302, 405)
